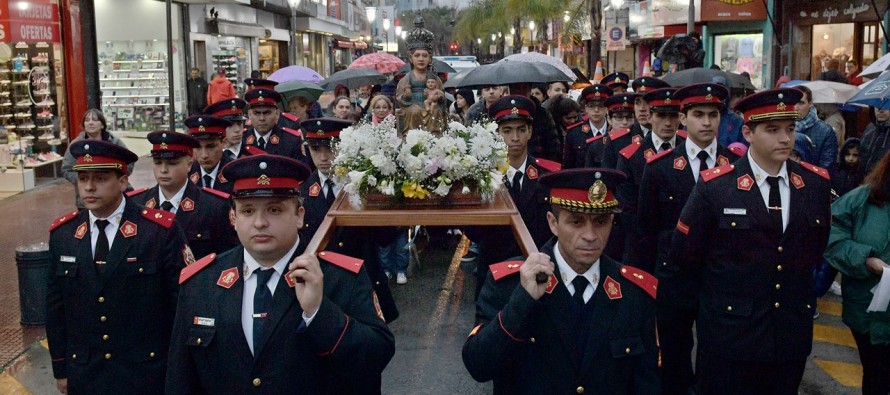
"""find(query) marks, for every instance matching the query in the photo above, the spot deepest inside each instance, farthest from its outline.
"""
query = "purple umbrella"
(296, 73)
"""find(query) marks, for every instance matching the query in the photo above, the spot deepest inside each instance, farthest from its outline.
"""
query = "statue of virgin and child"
(420, 94)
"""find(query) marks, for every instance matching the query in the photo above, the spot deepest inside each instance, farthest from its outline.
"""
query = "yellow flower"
(341, 171)
(414, 190)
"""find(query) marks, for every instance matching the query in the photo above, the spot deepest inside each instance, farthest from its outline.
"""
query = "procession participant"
(617, 82)
(514, 115)
(209, 160)
(755, 321)
(247, 322)
(112, 287)
(590, 327)
(668, 179)
(621, 138)
(231, 110)
(264, 133)
(201, 212)
(593, 98)
(621, 115)
(632, 160)
(286, 121)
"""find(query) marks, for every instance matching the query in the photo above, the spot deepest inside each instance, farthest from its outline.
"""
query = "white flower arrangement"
(374, 158)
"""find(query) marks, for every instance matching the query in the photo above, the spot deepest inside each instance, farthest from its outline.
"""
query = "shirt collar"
(567, 274)
(115, 218)
(251, 265)
(235, 149)
(175, 200)
(760, 174)
(657, 140)
(511, 171)
(598, 131)
(263, 135)
(692, 150)
(213, 173)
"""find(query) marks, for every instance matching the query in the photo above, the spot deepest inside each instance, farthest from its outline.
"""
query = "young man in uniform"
(201, 212)
(113, 282)
(620, 138)
(575, 147)
(621, 115)
(286, 121)
(617, 82)
(264, 132)
(668, 179)
(209, 160)
(588, 326)
(751, 233)
(231, 110)
(632, 160)
(265, 317)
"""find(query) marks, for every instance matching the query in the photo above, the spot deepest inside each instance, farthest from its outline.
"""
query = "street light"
(386, 32)
(371, 12)
(531, 33)
(294, 4)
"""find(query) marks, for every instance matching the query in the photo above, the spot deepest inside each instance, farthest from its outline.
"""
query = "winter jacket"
(220, 89)
(875, 143)
(823, 137)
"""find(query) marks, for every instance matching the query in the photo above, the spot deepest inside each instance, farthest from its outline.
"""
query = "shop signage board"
(826, 12)
(640, 24)
(673, 12)
(733, 10)
(615, 38)
(29, 21)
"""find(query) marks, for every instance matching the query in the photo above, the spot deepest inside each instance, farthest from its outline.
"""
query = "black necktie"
(702, 161)
(208, 181)
(664, 146)
(329, 192)
(261, 143)
(516, 185)
(580, 283)
(167, 206)
(101, 245)
(262, 300)
(775, 203)
(229, 154)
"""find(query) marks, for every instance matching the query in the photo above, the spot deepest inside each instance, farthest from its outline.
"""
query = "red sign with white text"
(29, 21)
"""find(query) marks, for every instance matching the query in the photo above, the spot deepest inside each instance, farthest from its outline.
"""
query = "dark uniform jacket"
(280, 142)
(219, 184)
(352, 241)
(203, 215)
(342, 351)
(619, 139)
(665, 187)
(109, 334)
(529, 347)
(575, 147)
(757, 298)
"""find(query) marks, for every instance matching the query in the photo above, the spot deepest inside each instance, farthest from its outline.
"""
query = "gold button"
(728, 308)
(102, 318)
(199, 235)
(778, 286)
(579, 390)
(141, 270)
(101, 299)
(340, 244)
(779, 268)
(257, 382)
(670, 198)
(198, 341)
(777, 305)
(809, 307)
(66, 272)
(532, 340)
(781, 249)
(664, 264)
(818, 222)
(733, 224)
(627, 350)
(151, 355)
(104, 337)
(107, 356)
(73, 356)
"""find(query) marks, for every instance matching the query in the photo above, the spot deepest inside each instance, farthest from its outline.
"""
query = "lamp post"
(399, 34)
(371, 13)
(531, 34)
(386, 24)
(294, 4)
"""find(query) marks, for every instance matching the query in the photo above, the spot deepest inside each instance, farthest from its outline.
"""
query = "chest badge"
(585, 128)
(551, 284)
(150, 203)
(228, 277)
(612, 288)
(314, 190)
(722, 160)
(531, 172)
(187, 204)
(128, 229)
(251, 140)
(745, 182)
(637, 139)
(680, 163)
(797, 180)
(274, 139)
(194, 178)
(648, 153)
(81, 231)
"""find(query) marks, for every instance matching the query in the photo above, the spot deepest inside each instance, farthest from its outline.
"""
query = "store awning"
(239, 29)
(345, 44)
(360, 44)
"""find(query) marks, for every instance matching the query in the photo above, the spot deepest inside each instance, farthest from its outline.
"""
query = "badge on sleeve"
(128, 229)
(680, 163)
(228, 277)
(797, 180)
(612, 288)
(81, 231)
(377, 305)
(745, 182)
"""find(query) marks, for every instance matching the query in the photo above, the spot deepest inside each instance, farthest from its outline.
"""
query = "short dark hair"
(99, 115)
(561, 106)
(806, 92)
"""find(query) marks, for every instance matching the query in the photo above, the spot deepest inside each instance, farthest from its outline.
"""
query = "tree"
(437, 20)
(491, 16)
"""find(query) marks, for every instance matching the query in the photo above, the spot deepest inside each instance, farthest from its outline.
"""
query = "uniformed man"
(248, 322)
(593, 98)
(286, 121)
(621, 116)
(231, 110)
(209, 160)
(667, 181)
(264, 133)
(620, 138)
(632, 159)
(514, 115)
(590, 327)
(752, 232)
(617, 82)
(113, 284)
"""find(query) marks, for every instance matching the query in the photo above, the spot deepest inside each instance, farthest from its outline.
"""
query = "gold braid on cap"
(774, 115)
(609, 207)
(102, 166)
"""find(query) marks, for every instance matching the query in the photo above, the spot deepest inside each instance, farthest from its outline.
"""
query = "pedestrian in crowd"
(556, 89)
(209, 159)
(565, 113)
(231, 110)
(755, 323)
(668, 180)
(833, 73)
(479, 111)
(197, 92)
(730, 129)
(341, 90)
(619, 139)
(463, 100)
(851, 71)
(381, 108)
(818, 131)
(202, 213)
(298, 108)
(593, 98)
(264, 132)
(859, 247)
(589, 327)
(112, 291)
(849, 173)
(545, 141)
(875, 140)
(539, 91)
(621, 116)
(267, 317)
(617, 82)
(341, 108)
(220, 88)
(831, 114)
(94, 128)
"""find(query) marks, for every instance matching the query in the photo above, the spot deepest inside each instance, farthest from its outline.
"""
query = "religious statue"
(420, 93)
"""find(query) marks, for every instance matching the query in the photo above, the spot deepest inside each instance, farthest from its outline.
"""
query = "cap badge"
(234, 107)
(667, 100)
(163, 145)
(87, 158)
(260, 99)
(781, 106)
(514, 111)
(597, 192)
(201, 128)
(263, 180)
(709, 97)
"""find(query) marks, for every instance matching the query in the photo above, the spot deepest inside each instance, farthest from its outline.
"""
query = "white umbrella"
(831, 92)
(532, 57)
(878, 67)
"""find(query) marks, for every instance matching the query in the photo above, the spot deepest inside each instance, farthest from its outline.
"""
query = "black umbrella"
(740, 82)
(454, 80)
(506, 73)
(696, 76)
(353, 79)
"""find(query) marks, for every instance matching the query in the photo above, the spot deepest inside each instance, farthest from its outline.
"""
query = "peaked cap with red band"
(512, 107)
(321, 131)
(258, 83)
(262, 97)
(230, 109)
(648, 84)
(706, 94)
(99, 155)
(587, 190)
(598, 92)
(207, 127)
(770, 105)
(662, 100)
(616, 79)
(622, 102)
(265, 176)
(167, 145)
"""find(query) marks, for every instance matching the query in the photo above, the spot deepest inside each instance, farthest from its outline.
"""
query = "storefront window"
(740, 53)
(233, 55)
(834, 41)
(269, 57)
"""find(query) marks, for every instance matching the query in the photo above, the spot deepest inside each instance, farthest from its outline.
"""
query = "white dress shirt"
(212, 174)
(784, 188)
(322, 180)
(657, 141)
(235, 150)
(567, 274)
(251, 266)
(692, 151)
(114, 222)
(175, 200)
(265, 136)
(511, 171)
(598, 131)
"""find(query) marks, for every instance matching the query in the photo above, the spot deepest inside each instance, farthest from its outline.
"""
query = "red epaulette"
(290, 116)
(216, 192)
(293, 132)
(135, 192)
(62, 220)
(190, 270)
(574, 125)
(548, 164)
(504, 269)
(343, 261)
(711, 174)
(642, 279)
(595, 138)
(661, 154)
(160, 217)
(618, 133)
(254, 150)
(816, 169)
(682, 133)
(630, 150)
(739, 151)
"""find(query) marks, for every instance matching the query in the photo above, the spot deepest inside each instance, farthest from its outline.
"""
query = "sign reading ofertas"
(29, 21)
